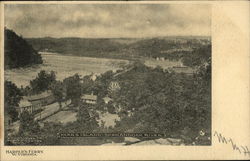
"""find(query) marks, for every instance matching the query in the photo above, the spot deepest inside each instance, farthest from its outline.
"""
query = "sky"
(108, 20)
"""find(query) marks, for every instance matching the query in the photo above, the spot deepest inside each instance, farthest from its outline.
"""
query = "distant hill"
(74, 46)
(124, 48)
(17, 52)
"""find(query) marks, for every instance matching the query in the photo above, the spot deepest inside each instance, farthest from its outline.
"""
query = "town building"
(35, 102)
(89, 99)
(160, 58)
(24, 105)
(93, 77)
(41, 99)
(107, 99)
(183, 69)
(114, 86)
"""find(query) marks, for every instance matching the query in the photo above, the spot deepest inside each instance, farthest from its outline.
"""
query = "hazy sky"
(108, 20)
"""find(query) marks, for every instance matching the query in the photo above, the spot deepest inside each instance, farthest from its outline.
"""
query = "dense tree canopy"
(17, 52)
(165, 102)
(28, 126)
(58, 91)
(12, 97)
(198, 56)
(42, 81)
(73, 89)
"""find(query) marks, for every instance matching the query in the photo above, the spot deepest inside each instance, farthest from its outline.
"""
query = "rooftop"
(107, 99)
(40, 96)
(89, 97)
(24, 103)
(183, 69)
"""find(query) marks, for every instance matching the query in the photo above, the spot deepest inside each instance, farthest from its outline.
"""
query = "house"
(93, 77)
(107, 99)
(35, 102)
(162, 58)
(114, 86)
(24, 105)
(41, 99)
(183, 69)
(89, 99)
(130, 113)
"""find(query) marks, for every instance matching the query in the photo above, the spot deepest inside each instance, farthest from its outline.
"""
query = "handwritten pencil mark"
(240, 148)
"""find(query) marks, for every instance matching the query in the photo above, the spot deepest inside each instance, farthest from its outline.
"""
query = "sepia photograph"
(107, 74)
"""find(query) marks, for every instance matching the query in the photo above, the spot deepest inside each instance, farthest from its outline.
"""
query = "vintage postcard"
(124, 80)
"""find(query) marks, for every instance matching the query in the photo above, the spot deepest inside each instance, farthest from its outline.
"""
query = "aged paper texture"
(118, 80)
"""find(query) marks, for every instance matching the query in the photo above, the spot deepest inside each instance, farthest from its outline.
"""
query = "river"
(64, 66)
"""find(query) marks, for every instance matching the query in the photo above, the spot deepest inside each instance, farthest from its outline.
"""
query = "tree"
(102, 82)
(43, 81)
(86, 121)
(166, 102)
(73, 89)
(111, 108)
(12, 97)
(198, 56)
(26, 91)
(87, 84)
(58, 91)
(27, 124)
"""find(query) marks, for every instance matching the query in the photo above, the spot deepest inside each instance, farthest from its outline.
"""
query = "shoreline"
(90, 57)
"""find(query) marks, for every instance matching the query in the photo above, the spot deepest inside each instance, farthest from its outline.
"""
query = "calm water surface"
(64, 66)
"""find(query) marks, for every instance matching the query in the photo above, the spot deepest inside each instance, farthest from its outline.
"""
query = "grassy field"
(62, 117)
(108, 119)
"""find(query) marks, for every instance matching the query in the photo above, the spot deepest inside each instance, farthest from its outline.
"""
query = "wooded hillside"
(17, 52)
(123, 48)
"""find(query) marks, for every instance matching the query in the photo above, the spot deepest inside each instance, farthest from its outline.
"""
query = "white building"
(89, 99)
(107, 99)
